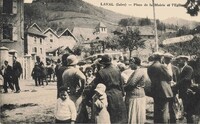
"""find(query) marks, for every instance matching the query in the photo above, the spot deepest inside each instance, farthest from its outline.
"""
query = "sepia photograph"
(100, 61)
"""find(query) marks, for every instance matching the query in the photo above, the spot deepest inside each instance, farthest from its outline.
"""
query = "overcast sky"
(142, 8)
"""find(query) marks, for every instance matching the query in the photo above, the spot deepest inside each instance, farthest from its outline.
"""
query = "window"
(40, 40)
(34, 50)
(51, 40)
(7, 31)
(40, 50)
(10, 6)
(35, 39)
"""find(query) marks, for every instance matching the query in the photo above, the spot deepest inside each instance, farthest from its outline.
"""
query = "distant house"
(146, 32)
(92, 37)
(35, 42)
(51, 38)
(101, 28)
(57, 40)
(12, 25)
(66, 38)
(88, 34)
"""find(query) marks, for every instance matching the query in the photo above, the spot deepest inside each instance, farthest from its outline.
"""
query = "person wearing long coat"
(111, 77)
(161, 89)
(17, 71)
(184, 84)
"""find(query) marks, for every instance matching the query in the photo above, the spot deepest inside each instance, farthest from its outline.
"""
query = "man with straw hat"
(161, 89)
(174, 111)
(75, 81)
(184, 85)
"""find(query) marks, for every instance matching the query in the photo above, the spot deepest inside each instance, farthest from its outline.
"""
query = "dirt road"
(36, 104)
(32, 104)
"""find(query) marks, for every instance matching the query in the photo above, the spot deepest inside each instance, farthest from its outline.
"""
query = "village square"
(68, 61)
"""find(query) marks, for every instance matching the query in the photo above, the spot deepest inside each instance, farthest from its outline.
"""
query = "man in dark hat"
(184, 84)
(161, 89)
(7, 76)
(17, 71)
(111, 77)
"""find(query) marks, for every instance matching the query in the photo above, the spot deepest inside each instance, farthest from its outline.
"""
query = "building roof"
(101, 24)
(85, 34)
(51, 30)
(69, 32)
(36, 25)
(34, 29)
(144, 30)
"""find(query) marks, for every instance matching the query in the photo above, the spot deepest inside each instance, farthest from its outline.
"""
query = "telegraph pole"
(155, 27)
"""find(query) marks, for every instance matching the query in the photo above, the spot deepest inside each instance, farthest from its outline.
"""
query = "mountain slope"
(69, 13)
(181, 22)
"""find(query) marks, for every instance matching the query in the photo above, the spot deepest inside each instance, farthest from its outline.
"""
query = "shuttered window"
(10, 6)
(7, 31)
(7, 6)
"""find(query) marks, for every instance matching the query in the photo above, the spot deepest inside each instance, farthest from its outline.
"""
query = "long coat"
(110, 76)
(183, 85)
(160, 79)
(17, 69)
(185, 80)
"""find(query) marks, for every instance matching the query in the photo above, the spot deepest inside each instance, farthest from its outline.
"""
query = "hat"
(101, 88)
(105, 59)
(72, 60)
(183, 57)
(168, 55)
(155, 55)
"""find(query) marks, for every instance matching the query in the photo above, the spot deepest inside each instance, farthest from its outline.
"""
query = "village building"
(92, 37)
(58, 43)
(34, 42)
(12, 27)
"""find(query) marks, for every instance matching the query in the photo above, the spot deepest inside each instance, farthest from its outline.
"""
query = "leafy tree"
(186, 48)
(160, 26)
(131, 40)
(144, 21)
(183, 31)
(127, 22)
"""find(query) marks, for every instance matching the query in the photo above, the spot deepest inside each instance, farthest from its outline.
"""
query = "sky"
(143, 8)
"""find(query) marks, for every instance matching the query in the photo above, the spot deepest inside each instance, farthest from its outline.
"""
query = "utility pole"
(155, 27)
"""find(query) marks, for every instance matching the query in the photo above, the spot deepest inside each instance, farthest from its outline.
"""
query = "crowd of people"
(41, 73)
(11, 75)
(114, 92)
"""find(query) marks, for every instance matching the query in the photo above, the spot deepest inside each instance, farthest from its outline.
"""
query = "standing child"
(100, 103)
(65, 108)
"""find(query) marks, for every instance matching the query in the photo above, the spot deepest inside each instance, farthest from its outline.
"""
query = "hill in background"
(181, 22)
(68, 14)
